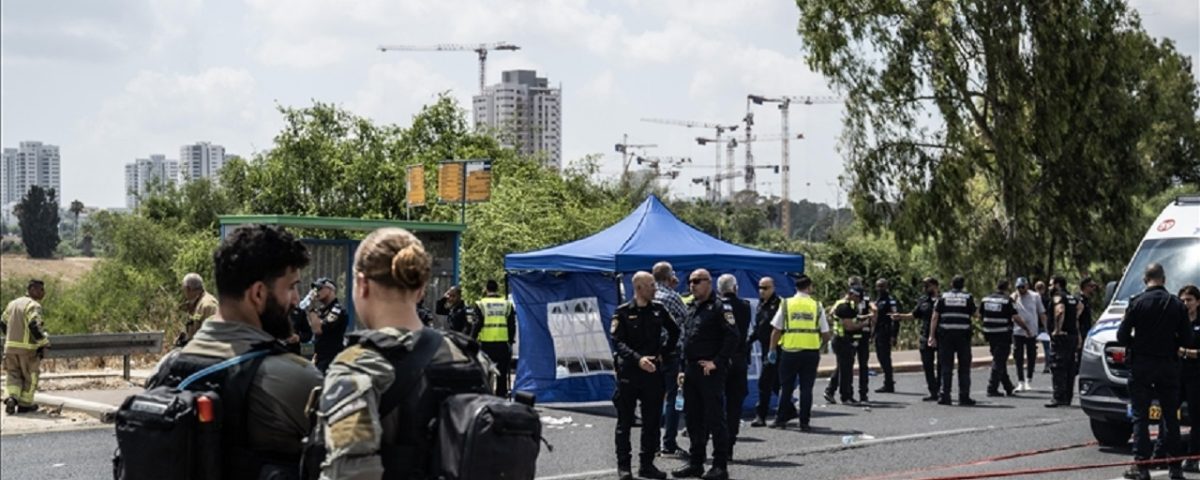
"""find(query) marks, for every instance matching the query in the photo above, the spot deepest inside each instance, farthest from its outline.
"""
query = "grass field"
(69, 269)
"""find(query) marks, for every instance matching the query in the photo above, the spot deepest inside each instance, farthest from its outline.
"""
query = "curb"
(103, 411)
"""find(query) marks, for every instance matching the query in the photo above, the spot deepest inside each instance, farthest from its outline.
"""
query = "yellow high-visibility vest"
(838, 329)
(495, 319)
(800, 327)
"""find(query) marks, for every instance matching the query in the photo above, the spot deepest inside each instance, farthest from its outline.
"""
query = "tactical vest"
(956, 312)
(22, 335)
(996, 312)
(800, 329)
(495, 319)
(838, 329)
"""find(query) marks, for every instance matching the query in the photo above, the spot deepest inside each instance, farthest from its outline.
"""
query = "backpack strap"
(216, 367)
(408, 367)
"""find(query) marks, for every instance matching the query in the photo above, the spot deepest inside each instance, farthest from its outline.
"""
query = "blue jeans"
(670, 419)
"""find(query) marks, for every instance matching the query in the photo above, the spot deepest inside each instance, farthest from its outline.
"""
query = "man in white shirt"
(1033, 312)
(800, 328)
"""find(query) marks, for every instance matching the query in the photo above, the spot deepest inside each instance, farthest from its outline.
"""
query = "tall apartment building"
(32, 163)
(143, 172)
(201, 160)
(526, 113)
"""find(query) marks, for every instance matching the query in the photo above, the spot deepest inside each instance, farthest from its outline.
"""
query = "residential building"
(146, 172)
(32, 163)
(201, 160)
(525, 113)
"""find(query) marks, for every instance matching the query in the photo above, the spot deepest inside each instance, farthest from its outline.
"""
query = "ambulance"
(1173, 241)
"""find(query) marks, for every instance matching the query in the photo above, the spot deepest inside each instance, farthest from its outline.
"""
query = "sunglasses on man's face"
(696, 281)
(763, 287)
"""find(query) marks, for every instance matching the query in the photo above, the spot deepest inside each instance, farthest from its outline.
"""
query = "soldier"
(329, 322)
(198, 304)
(637, 328)
(25, 345)
(391, 269)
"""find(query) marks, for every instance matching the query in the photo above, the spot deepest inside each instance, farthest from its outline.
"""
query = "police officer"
(952, 324)
(710, 341)
(768, 376)
(257, 269)
(800, 328)
(861, 345)
(637, 334)
(1064, 340)
(998, 316)
(923, 311)
(1153, 329)
(736, 385)
(847, 328)
(329, 322)
(451, 305)
(497, 332)
(24, 346)
(1087, 293)
(198, 304)
(886, 333)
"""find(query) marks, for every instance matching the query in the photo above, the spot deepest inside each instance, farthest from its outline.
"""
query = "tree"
(76, 209)
(37, 214)
(997, 128)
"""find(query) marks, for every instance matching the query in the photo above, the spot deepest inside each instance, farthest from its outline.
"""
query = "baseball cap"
(857, 291)
(324, 282)
(1022, 282)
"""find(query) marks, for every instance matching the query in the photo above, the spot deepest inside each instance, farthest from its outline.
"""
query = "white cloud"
(395, 91)
(599, 87)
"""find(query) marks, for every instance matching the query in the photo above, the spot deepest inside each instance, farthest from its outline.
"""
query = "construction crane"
(626, 149)
(481, 49)
(718, 128)
(730, 145)
(784, 104)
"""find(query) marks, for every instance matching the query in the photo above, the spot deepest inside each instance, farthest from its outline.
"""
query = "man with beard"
(257, 269)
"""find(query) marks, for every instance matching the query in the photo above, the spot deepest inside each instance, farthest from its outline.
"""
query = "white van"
(1174, 242)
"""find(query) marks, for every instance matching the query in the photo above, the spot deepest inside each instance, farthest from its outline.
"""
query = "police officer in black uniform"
(637, 335)
(1064, 340)
(861, 346)
(998, 315)
(952, 326)
(736, 385)
(886, 333)
(1087, 292)
(923, 311)
(848, 329)
(458, 318)
(709, 342)
(329, 322)
(768, 376)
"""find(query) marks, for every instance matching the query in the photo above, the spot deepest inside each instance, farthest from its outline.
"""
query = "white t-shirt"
(781, 314)
(1030, 308)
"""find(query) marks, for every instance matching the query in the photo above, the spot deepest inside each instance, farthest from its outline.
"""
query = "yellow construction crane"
(480, 49)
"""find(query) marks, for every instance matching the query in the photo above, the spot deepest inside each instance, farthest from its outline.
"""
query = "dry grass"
(69, 269)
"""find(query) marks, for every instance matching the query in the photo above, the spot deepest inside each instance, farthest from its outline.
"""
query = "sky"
(112, 81)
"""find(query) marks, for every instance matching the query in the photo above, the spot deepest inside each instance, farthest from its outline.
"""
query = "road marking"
(593, 473)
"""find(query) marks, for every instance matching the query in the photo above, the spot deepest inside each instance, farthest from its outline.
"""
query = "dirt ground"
(68, 269)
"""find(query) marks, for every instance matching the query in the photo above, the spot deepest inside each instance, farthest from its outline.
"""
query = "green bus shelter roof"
(339, 223)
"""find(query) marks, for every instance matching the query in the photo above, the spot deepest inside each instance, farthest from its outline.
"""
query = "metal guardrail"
(105, 345)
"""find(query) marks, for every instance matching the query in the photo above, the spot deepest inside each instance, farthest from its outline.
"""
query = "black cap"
(324, 282)
(857, 291)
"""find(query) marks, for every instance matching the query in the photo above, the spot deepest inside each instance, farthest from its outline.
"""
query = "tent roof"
(648, 235)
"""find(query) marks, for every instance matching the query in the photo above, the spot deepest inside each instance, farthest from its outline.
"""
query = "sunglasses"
(764, 288)
(695, 281)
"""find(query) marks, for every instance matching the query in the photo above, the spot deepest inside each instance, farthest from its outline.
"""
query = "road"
(911, 439)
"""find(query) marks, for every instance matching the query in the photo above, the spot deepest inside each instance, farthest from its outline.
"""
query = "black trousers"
(861, 348)
(736, 388)
(929, 366)
(1062, 367)
(1190, 383)
(768, 384)
(1022, 347)
(1151, 378)
(1000, 345)
(845, 349)
(634, 388)
(883, 353)
(704, 406)
(501, 355)
(951, 346)
(797, 367)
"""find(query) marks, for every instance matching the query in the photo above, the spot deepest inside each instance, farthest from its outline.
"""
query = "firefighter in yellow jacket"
(24, 347)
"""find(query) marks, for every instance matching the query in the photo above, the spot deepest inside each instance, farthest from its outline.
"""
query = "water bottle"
(679, 402)
(847, 439)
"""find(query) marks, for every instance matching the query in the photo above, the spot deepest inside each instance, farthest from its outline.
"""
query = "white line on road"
(593, 473)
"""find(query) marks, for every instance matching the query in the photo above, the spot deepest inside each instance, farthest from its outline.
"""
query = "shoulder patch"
(334, 394)
(727, 307)
(616, 321)
(729, 317)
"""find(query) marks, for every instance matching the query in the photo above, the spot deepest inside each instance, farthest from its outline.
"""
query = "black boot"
(758, 422)
(10, 405)
(886, 388)
(689, 471)
(648, 470)
(716, 473)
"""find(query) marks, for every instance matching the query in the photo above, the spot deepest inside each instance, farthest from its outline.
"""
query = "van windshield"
(1180, 257)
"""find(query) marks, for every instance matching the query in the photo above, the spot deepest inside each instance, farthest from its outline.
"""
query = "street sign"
(470, 178)
(479, 181)
(450, 182)
(416, 185)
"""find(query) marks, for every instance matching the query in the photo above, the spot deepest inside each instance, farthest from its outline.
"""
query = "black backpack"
(191, 424)
(458, 430)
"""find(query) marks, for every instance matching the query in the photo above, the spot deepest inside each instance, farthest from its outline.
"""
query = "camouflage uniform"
(348, 417)
(23, 343)
(198, 312)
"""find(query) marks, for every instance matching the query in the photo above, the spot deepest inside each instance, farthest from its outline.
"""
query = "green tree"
(76, 209)
(1016, 132)
(37, 214)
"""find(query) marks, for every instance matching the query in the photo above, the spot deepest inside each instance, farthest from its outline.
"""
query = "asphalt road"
(899, 437)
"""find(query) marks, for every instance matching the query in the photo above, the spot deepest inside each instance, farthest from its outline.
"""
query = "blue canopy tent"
(565, 295)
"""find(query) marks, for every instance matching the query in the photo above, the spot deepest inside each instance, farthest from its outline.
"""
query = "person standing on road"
(847, 328)
(452, 306)
(1154, 328)
(861, 345)
(1040, 287)
(329, 322)
(800, 329)
(1033, 312)
(497, 332)
(664, 293)
(924, 312)
(886, 333)
(736, 385)
(768, 374)
(952, 324)
(637, 328)
(1064, 340)
(998, 316)
(198, 304)
(1190, 376)
(710, 342)
(1087, 292)
(25, 344)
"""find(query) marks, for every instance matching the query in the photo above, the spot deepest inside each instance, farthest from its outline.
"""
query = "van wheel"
(1112, 434)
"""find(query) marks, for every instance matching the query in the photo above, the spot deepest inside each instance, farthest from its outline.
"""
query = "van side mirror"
(1109, 289)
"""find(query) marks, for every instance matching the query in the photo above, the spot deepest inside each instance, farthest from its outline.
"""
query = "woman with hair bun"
(376, 404)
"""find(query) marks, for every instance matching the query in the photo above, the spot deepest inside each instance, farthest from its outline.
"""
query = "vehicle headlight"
(1093, 346)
